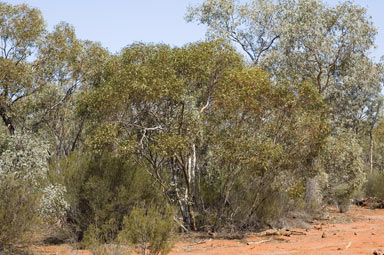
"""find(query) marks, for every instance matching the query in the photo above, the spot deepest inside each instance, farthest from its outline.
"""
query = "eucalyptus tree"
(21, 29)
(377, 146)
(332, 52)
(152, 105)
(253, 26)
(306, 39)
(344, 169)
(68, 66)
(23, 171)
(265, 137)
(207, 128)
(41, 73)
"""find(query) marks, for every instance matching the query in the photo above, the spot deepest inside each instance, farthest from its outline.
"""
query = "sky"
(117, 23)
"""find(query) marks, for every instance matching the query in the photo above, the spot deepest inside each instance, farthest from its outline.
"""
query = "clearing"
(360, 231)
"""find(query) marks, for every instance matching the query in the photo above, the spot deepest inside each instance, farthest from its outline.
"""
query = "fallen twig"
(200, 242)
(348, 245)
(298, 233)
(258, 242)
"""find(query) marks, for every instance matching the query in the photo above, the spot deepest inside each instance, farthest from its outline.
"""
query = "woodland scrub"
(201, 135)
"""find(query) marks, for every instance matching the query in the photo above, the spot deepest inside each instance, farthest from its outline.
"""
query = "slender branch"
(7, 120)
(205, 106)
(62, 100)
(266, 48)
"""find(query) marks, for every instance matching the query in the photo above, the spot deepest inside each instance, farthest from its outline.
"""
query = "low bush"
(100, 190)
(150, 229)
(344, 167)
(18, 209)
(249, 204)
(23, 166)
(375, 185)
(342, 197)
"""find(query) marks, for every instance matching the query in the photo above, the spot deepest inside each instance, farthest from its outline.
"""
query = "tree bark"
(188, 194)
(7, 121)
(313, 195)
(371, 151)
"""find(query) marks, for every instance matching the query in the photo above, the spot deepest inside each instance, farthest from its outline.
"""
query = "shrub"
(150, 229)
(342, 197)
(94, 241)
(375, 185)
(250, 202)
(23, 166)
(342, 162)
(100, 190)
(18, 209)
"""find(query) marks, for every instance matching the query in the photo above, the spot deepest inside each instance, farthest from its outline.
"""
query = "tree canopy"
(281, 103)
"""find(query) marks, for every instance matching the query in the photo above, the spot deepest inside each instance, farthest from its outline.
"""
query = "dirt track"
(360, 231)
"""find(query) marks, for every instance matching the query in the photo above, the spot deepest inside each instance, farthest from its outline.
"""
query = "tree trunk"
(371, 151)
(187, 170)
(313, 195)
(7, 121)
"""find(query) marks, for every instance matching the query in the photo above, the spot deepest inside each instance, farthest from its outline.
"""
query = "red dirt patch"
(360, 231)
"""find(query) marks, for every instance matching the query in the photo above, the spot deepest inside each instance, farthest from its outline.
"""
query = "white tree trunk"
(313, 197)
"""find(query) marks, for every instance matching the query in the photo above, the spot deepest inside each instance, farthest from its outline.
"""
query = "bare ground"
(360, 231)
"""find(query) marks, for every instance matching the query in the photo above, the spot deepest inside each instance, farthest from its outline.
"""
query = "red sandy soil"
(360, 231)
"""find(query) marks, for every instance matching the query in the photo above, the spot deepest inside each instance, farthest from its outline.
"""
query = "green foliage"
(95, 237)
(162, 92)
(374, 186)
(93, 241)
(232, 145)
(251, 25)
(21, 28)
(100, 190)
(151, 229)
(342, 196)
(23, 169)
(283, 37)
(40, 74)
(209, 128)
(342, 162)
(18, 209)
(263, 142)
(377, 146)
